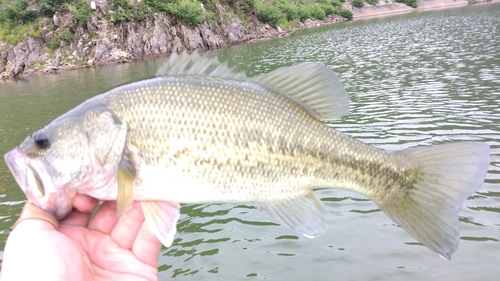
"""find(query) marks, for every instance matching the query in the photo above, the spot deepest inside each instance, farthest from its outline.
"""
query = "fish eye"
(41, 141)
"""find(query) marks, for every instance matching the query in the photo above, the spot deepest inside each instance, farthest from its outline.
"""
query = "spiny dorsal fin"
(313, 85)
(194, 64)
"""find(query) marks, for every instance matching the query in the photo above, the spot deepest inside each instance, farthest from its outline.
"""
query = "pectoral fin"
(127, 173)
(125, 191)
(304, 214)
(162, 219)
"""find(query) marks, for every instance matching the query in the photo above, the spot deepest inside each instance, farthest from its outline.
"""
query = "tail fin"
(445, 175)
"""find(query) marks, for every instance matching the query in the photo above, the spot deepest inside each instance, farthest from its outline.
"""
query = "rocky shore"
(101, 42)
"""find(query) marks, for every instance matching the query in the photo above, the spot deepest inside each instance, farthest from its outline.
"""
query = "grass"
(14, 34)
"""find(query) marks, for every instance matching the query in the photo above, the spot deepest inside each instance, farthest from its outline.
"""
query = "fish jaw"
(35, 181)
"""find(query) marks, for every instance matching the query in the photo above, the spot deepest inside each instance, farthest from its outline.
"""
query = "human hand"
(104, 247)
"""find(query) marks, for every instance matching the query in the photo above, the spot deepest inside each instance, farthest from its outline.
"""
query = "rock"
(62, 20)
(56, 18)
(130, 36)
(34, 48)
(266, 31)
(3, 60)
(211, 40)
(76, 57)
(92, 24)
(234, 31)
(17, 58)
(102, 6)
(177, 45)
(102, 50)
(57, 60)
(157, 41)
(120, 55)
(44, 57)
(191, 38)
(47, 35)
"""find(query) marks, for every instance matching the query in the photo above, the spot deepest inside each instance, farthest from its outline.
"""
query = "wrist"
(33, 213)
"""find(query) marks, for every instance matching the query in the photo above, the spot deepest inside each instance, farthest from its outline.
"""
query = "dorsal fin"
(313, 85)
(194, 64)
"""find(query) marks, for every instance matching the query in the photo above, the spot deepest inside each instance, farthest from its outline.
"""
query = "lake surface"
(416, 79)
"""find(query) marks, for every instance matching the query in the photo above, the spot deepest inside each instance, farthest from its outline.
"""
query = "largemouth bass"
(201, 132)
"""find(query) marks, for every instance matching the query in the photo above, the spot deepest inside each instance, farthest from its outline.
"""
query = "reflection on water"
(415, 79)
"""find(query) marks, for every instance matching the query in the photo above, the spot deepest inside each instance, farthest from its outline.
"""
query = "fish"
(202, 132)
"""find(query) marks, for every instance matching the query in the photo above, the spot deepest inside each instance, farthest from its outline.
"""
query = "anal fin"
(304, 214)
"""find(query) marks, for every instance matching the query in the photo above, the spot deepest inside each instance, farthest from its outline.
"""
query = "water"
(415, 79)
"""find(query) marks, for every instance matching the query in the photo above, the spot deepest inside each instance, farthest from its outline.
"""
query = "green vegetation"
(62, 35)
(285, 12)
(80, 11)
(411, 3)
(22, 16)
(188, 12)
(358, 3)
(17, 13)
(361, 3)
(346, 13)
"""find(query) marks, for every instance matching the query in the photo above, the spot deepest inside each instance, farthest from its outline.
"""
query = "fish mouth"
(17, 166)
(36, 184)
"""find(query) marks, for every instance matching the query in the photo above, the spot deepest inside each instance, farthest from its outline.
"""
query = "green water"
(415, 79)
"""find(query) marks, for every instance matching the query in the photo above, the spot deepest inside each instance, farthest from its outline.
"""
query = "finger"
(105, 218)
(76, 218)
(147, 246)
(84, 203)
(128, 226)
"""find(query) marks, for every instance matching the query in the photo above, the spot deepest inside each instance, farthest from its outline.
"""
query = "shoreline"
(383, 9)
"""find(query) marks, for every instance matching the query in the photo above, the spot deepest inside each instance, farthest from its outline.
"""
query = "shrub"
(29, 15)
(16, 12)
(47, 8)
(271, 14)
(291, 12)
(318, 13)
(53, 43)
(304, 12)
(251, 3)
(346, 13)
(81, 12)
(35, 31)
(372, 2)
(188, 12)
(411, 3)
(65, 35)
(358, 3)
(328, 9)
